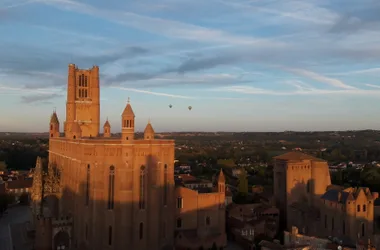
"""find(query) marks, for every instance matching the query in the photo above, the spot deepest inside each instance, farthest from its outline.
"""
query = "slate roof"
(333, 195)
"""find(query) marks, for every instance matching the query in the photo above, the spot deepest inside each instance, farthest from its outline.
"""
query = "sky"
(242, 65)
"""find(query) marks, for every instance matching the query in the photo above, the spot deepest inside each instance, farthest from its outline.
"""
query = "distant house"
(18, 187)
(236, 172)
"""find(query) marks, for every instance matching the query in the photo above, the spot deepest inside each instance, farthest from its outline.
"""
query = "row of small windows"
(82, 81)
(111, 187)
(364, 208)
(128, 123)
(208, 222)
(141, 233)
(82, 93)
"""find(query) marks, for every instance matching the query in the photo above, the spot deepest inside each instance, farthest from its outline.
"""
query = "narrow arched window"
(166, 185)
(208, 221)
(179, 202)
(179, 222)
(363, 230)
(85, 81)
(110, 235)
(141, 230)
(111, 187)
(142, 188)
(344, 227)
(87, 185)
(85, 93)
(80, 81)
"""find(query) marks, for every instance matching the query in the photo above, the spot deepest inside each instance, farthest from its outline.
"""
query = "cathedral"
(100, 191)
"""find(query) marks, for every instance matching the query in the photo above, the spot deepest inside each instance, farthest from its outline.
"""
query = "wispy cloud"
(25, 90)
(298, 10)
(154, 93)
(161, 26)
(15, 5)
(258, 91)
(356, 72)
(75, 34)
(38, 98)
(320, 78)
(373, 86)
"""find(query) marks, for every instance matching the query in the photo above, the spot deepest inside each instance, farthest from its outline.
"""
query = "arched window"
(141, 230)
(111, 187)
(344, 227)
(85, 81)
(208, 221)
(80, 81)
(88, 185)
(74, 137)
(363, 230)
(364, 208)
(142, 188)
(166, 185)
(179, 222)
(110, 235)
(179, 202)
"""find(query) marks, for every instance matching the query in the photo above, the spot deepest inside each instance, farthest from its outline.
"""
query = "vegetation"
(5, 200)
(243, 184)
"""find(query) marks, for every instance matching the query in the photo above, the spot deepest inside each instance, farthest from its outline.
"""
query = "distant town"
(247, 161)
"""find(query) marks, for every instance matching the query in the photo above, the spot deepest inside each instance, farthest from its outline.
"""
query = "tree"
(3, 166)
(24, 199)
(243, 183)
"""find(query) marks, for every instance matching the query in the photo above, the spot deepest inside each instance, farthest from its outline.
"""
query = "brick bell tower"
(83, 101)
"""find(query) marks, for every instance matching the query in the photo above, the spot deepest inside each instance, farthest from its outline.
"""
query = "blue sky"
(242, 65)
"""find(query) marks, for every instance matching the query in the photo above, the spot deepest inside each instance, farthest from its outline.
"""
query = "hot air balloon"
(170, 106)
(190, 107)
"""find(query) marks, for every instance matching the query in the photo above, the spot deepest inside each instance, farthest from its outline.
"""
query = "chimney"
(375, 195)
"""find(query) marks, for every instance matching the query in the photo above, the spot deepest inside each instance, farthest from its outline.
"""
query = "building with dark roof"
(306, 198)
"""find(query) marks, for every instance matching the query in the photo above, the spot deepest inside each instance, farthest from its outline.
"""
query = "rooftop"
(297, 156)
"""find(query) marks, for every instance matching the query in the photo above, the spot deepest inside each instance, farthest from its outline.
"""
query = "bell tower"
(83, 101)
(127, 124)
(54, 125)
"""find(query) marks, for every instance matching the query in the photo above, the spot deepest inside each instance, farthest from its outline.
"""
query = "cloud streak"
(248, 90)
(161, 26)
(154, 93)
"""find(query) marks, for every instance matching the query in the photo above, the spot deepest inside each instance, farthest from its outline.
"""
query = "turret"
(54, 126)
(107, 129)
(76, 131)
(221, 182)
(149, 132)
(127, 123)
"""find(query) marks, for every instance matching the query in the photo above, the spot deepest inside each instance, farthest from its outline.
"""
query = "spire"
(54, 118)
(149, 132)
(128, 110)
(107, 124)
(221, 177)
